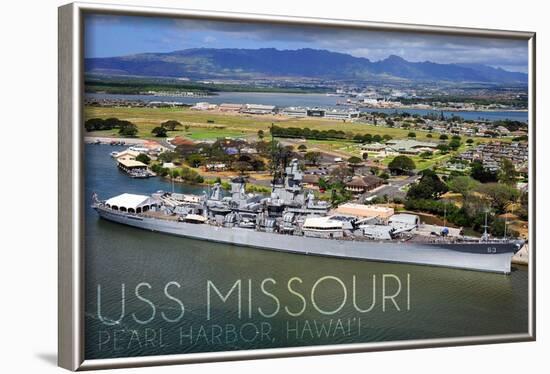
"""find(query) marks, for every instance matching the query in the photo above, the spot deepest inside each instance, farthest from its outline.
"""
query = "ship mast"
(485, 234)
(275, 157)
(273, 166)
(506, 220)
(445, 214)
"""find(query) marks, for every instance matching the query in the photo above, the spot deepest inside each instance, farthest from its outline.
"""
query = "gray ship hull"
(487, 257)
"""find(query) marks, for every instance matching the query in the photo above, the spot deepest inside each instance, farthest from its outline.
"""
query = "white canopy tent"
(131, 203)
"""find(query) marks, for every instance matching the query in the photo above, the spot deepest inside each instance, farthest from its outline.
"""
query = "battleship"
(292, 220)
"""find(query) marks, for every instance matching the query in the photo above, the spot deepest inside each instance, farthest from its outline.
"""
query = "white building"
(258, 109)
(294, 112)
(204, 106)
(341, 114)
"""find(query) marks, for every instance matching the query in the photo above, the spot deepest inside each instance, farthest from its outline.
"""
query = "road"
(392, 189)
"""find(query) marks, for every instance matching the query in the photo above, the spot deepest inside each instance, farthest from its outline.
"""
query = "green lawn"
(148, 118)
(212, 125)
(206, 134)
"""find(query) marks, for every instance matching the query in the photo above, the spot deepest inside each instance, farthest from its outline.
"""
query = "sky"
(109, 36)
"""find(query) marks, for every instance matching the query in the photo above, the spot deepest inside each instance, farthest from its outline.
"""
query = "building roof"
(362, 210)
(310, 179)
(180, 140)
(128, 200)
(131, 163)
(127, 153)
(410, 144)
(373, 208)
(341, 111)
(260, 106)
(230, 106)
(366, 181)
(294, 109)
(374, 146)
(409, 219)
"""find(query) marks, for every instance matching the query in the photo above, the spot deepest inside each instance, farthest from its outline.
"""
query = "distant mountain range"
(209, 63)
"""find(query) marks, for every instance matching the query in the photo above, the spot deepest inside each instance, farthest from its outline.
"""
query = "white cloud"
(374, 45)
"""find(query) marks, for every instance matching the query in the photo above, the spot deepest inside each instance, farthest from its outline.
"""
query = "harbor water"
(153, 294)
(307, 100)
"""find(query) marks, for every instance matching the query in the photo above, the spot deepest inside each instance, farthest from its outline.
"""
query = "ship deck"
(159, 215)
(413, 239)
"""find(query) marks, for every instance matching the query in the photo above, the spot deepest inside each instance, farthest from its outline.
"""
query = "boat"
(291, 220)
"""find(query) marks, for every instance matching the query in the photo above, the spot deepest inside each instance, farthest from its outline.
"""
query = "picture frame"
(71, 180)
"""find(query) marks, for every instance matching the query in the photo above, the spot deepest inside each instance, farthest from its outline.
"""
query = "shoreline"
(108, 139)
(145, 97)
(451, 110)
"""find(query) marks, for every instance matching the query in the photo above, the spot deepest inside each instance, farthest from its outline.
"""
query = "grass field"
(225, 124)
(213, 125)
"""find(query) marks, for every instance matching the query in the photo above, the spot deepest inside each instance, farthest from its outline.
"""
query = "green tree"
(174, 173)
(242, 167)
(411, 135)
(194, 160)
(261, 134)
(167, 156)
(508, 174)
(401, 165)
(128, 129)
(499, 195)
(142, 157)
(443, 137)
(302, 148)
(94, 124)
(462, 185)
(159, 132)
(428, 135)
(482, 174)
(428, 187)
(340, 174)
(170, 125)
(365, 156)
(469, 141)
(454, 144)
(443, 148)
(426, 154)
(323, 184)
(313, 158)
(259, 165)
(354, 162)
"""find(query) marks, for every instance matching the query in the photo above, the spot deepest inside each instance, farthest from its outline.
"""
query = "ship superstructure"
(291, 219)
